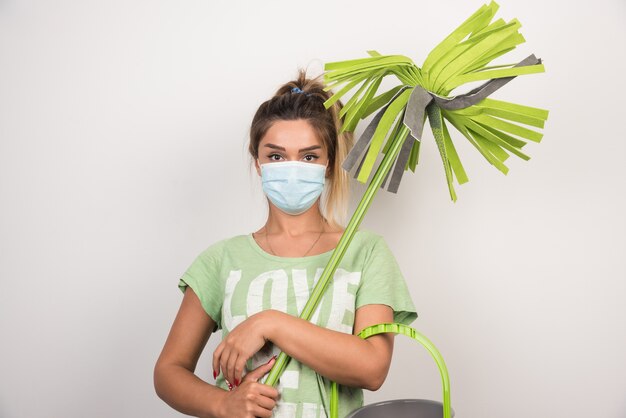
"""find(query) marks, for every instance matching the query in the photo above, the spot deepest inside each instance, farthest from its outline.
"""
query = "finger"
(260, 371)
(224, 365)
(265, 402)
(267, 390)
(216, 359)
(239, 366)
(261, 412)
(230, 367)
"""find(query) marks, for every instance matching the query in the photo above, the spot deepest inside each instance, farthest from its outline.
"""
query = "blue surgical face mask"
(293, 186)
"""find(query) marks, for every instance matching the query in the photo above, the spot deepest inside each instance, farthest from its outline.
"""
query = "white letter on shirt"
(278, 299)
(229, 320)
(343, 300)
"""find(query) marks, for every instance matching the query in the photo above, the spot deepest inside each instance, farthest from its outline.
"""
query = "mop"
(495, 128)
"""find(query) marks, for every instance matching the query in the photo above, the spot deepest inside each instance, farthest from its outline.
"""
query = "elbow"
(160, 379)
(376, 370)
(374, 385)
(156, 381)
(376, 377)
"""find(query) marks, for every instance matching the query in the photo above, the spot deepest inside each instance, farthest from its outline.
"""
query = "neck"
(279, 222)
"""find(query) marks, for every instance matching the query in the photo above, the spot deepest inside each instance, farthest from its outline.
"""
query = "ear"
(257, 166)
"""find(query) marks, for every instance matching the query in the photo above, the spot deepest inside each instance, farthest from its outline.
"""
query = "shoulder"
(375, 247)
(369, 239)
(218, 248)
(368, 245)
(368, 234)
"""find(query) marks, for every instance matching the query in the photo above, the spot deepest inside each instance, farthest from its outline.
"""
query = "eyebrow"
(311, 148)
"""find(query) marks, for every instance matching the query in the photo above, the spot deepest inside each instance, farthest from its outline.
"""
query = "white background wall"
(123, 127)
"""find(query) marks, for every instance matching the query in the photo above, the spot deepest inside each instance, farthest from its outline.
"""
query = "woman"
(253, 287)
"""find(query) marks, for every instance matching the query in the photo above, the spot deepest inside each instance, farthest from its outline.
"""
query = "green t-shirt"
(235, 278)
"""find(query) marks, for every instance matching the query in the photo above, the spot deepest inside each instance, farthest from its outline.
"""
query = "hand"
(251, 399)
(240, 344)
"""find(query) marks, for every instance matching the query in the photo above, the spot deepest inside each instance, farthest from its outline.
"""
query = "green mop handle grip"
(411, 333)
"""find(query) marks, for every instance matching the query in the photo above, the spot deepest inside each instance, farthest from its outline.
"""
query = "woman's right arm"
(176, 383)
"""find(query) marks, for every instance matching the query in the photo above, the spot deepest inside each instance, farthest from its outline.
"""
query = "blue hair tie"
(298, 90)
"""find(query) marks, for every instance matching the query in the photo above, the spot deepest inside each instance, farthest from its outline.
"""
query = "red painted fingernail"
(268, 361)
(214, 374)
(236, 382)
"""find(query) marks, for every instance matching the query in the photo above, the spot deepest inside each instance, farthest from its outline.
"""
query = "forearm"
(186, 392)
(344, 358)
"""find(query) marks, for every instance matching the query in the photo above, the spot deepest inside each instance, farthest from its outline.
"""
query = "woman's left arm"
(344, 358)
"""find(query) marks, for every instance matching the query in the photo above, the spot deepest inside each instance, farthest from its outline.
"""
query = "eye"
(310, 157)
(275, 157)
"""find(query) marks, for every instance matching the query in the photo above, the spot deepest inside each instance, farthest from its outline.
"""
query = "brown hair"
(309, 105)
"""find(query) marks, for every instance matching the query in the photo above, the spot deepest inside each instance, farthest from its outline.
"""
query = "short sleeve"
(382, 282)
(203, 276)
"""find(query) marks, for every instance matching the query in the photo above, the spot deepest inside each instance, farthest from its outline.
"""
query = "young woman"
(253, 287)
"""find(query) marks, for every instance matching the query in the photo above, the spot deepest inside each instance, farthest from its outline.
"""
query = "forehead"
(291, 134)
